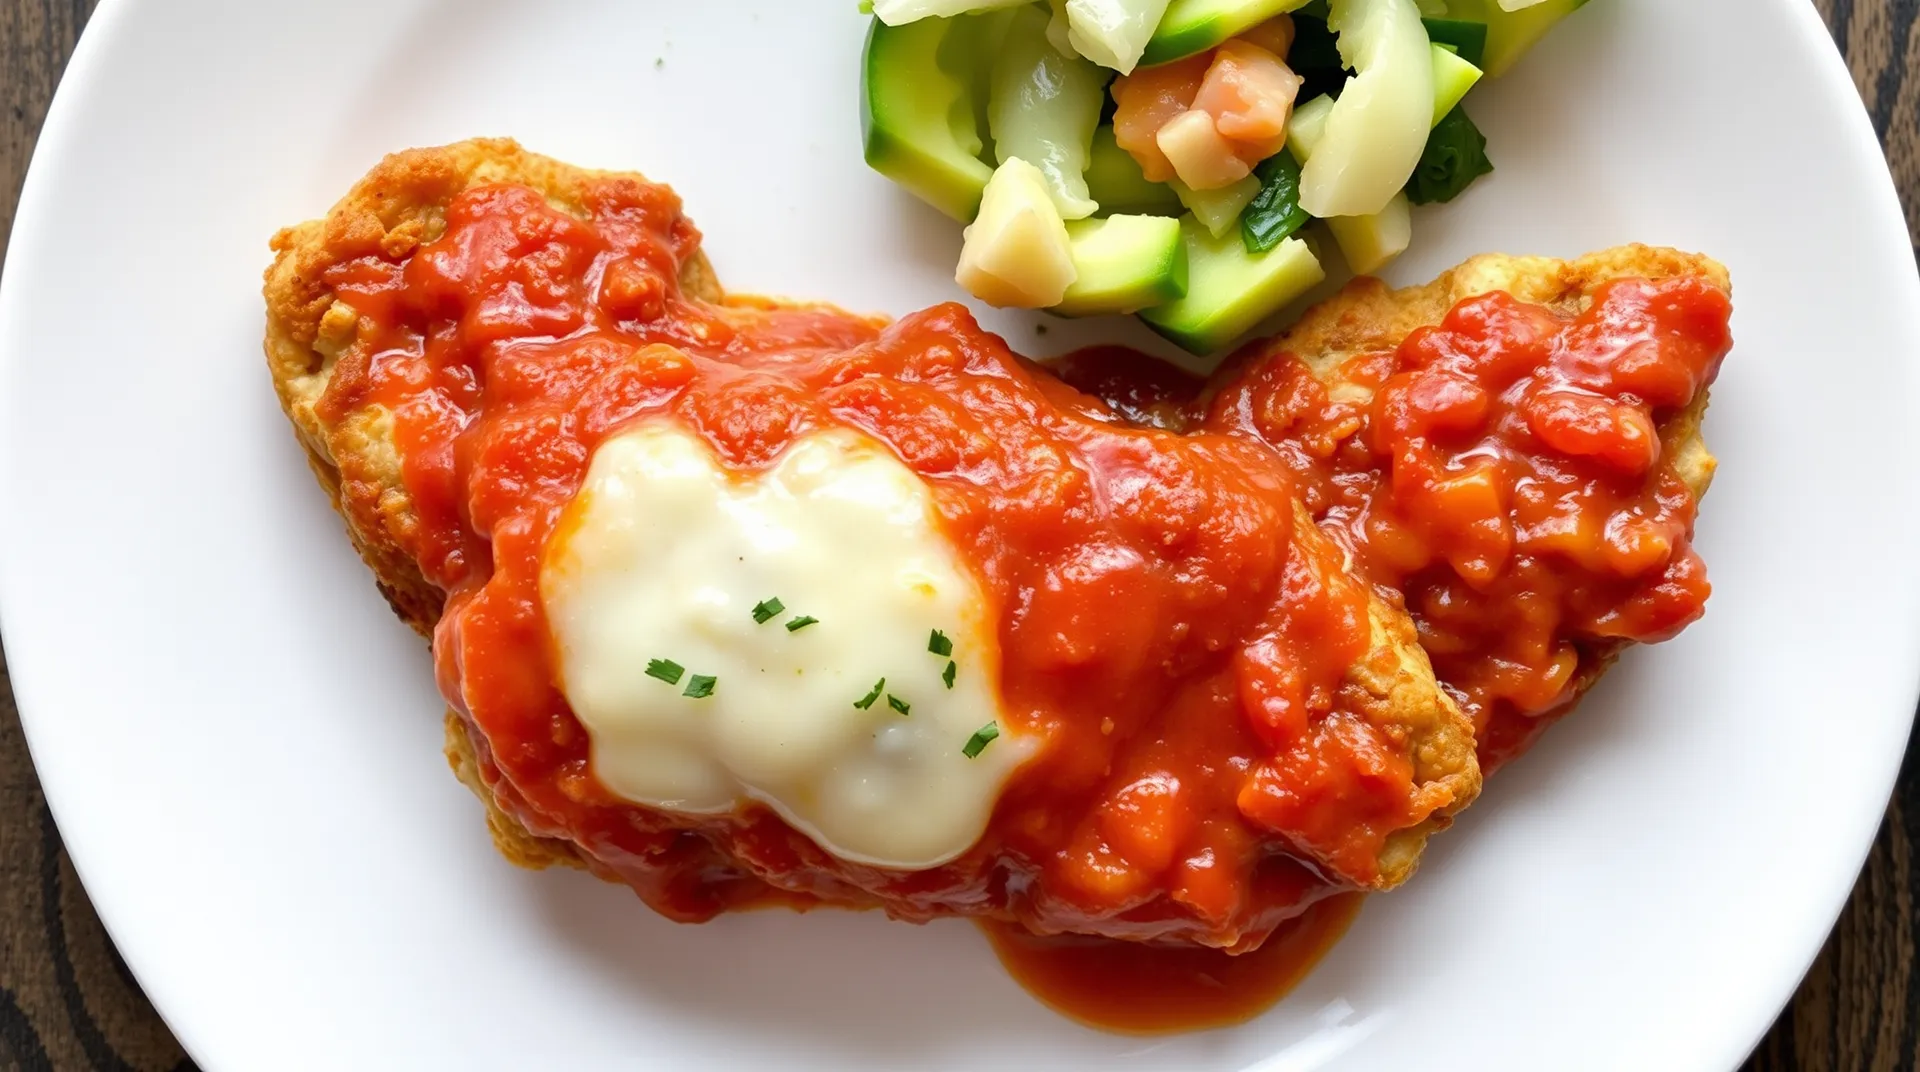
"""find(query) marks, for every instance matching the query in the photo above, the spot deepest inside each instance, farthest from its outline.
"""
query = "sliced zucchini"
(1113, 33)
(1123, 264)
(1379, 124)
(1307, 127)
(1058, 32)
(1230, 290)
(1511, 33)
(1217, 210)
(1115, 181)
(917, 120)
(1452, 77)
(968, 54)
(1191, 26)
(1043, 108)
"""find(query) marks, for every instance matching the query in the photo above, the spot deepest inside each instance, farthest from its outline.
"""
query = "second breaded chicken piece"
(1667, 311)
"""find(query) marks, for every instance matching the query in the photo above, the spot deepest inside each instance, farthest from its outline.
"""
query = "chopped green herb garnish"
(939, 644)
(802, 622)
(1456, 154)
(981, 738)
(666, 670)
(898, 704)
(866, 701)
(699, 686)
(947, 674)
(766, 609)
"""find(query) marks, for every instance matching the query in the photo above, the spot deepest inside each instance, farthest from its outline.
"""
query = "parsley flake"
(981, 738)
(939, 644)
(802, 622)
(666, 670)
(947, 674)
(764, 610)
(866, 701)
(699, 686)
(898, 704)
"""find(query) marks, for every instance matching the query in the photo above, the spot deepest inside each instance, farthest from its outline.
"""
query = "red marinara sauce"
(1139, 988)
(1504, 473)
(1175, 644)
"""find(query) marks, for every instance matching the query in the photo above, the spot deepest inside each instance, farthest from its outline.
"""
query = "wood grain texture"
(67, 1001)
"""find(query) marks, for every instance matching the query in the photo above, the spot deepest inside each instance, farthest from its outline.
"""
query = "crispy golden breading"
(400, 205)
(1396, 688)
(1368, 316)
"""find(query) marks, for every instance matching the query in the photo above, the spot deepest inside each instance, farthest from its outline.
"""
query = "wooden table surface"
(67, 1001)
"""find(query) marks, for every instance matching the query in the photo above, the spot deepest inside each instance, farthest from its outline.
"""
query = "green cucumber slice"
(1452, 77)
(1115, 181)
(1043, 108)
(1191, 26)
(1511, 33)
(1124, 264)
(1230, 290)
(1307, 127)
(1112, 33)
(1380, 122)
(1217, 210)
(917, 121)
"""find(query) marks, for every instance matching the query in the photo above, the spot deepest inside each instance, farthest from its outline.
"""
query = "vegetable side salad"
(1160, 157)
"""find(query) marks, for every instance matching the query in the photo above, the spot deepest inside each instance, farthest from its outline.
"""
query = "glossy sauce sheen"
(1145, 989)
(1507, 480)
(1163, 632)
(1499, 473)
(1146, 584)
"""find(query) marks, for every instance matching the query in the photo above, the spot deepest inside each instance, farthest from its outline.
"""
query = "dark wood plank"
(66, 1001)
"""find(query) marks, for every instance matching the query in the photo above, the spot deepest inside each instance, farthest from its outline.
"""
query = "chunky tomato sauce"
(1507, 477)
(1177, 646)
(1500, 473)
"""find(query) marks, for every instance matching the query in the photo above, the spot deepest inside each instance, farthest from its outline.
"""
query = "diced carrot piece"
(1249, 92)
(1149, 99)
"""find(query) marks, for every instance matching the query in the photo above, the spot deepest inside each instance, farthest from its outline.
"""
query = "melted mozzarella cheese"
(664, 555)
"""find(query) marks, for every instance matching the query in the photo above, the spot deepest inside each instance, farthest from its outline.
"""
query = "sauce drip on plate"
(1140, 989)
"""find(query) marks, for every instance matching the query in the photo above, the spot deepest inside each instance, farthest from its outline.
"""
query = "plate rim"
(34, 695)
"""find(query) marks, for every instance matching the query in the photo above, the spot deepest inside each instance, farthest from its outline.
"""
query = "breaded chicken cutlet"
(481, 349)
(1511, 451)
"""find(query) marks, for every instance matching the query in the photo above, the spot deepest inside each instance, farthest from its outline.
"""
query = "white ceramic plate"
(242, 747)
